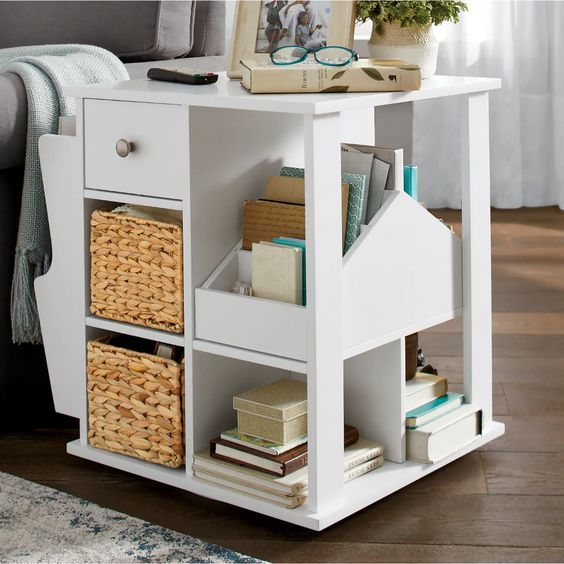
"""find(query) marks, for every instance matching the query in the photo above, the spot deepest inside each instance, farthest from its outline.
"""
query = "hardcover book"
(444, 436)
(300, 244)
(277, 464)
(277, 272)
(291, 190)
(364, 75)
(234, 436)
(423, 388)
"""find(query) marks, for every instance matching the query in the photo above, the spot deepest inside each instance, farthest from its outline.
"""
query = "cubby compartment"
(135, 400)
(247, 322)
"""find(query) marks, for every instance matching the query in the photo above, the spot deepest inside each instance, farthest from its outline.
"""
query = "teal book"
(357, 202)
(432, 410)
(300, 244)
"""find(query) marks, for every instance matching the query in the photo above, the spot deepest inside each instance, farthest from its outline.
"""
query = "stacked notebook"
(266, 455)
(438, 422)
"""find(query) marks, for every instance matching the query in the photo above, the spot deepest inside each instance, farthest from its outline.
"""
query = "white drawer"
(157, 165)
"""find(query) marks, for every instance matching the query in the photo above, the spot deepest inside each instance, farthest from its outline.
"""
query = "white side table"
(204, 150)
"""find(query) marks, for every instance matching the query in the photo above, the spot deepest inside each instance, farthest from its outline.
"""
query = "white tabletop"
(227, 93)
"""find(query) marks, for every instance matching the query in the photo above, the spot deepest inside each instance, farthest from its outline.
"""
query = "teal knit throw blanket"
(45, 70)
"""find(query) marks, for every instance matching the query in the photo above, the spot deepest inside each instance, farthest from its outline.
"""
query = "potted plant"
(403, 29)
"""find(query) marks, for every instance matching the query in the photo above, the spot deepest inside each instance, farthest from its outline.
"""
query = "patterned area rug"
(39, 524)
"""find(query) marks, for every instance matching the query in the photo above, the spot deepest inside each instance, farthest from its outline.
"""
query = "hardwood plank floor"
(504, 503)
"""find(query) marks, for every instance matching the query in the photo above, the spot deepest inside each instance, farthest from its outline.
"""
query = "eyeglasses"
(333, 56)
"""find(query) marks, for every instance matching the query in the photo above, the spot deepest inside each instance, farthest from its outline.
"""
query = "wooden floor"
(505, 503)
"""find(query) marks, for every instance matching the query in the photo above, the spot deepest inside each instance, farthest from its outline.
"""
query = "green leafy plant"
(409, 12)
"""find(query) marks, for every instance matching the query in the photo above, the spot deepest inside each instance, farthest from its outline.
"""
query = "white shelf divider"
(250, 356)
(135, 330)
(122, 198)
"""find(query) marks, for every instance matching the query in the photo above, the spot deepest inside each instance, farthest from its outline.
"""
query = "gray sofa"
(185, 33)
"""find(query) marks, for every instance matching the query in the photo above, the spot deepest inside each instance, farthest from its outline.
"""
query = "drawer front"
(155, 162)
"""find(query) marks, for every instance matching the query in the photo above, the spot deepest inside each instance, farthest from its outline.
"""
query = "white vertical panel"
(60, 292)
(324, 291)
(476, 249)
(375, 397)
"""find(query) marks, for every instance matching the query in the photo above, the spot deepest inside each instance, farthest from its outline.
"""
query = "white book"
(289, 502)
(277, 272)
(283, 501)
(362, 452)
(423, 388)
(444, 436)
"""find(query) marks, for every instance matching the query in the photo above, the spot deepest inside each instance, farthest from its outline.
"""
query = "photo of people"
(292, 22)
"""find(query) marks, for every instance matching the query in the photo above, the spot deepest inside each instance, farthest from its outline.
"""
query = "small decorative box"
(276, 412)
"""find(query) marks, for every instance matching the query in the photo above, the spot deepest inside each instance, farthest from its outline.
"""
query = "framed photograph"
(261, 26)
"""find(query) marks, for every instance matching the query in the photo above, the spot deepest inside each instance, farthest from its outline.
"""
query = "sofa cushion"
(13, 120)
(133, 30)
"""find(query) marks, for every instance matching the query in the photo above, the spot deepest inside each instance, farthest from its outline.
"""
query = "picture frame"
(250, 14)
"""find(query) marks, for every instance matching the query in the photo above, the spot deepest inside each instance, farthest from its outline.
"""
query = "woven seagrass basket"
(135, 404)
(136, 271)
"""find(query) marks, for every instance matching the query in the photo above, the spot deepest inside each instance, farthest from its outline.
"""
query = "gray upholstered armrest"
(13, 120)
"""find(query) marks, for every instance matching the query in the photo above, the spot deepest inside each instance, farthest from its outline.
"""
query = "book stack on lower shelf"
(438, 422)
(266, 455)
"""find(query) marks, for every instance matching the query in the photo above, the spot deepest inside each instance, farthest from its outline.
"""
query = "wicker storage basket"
(136, 273)
(135, 404)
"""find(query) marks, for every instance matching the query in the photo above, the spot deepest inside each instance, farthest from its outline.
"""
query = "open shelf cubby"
(204, 152)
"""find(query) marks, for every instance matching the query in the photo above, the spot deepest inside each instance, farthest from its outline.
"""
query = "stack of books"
(275, 470)
(438, 422)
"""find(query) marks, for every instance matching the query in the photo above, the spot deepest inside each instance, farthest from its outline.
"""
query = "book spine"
(295, 464)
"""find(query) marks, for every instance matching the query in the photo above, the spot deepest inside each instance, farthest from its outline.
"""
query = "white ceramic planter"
(416, 45)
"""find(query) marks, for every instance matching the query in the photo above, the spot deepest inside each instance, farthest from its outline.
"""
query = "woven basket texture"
(136, 273)
(395, 35)
(135, 404)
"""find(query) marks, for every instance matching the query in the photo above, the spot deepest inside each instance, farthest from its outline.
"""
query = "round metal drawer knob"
(124, 147)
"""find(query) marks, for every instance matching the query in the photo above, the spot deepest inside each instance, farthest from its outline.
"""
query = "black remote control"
(185, 77)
